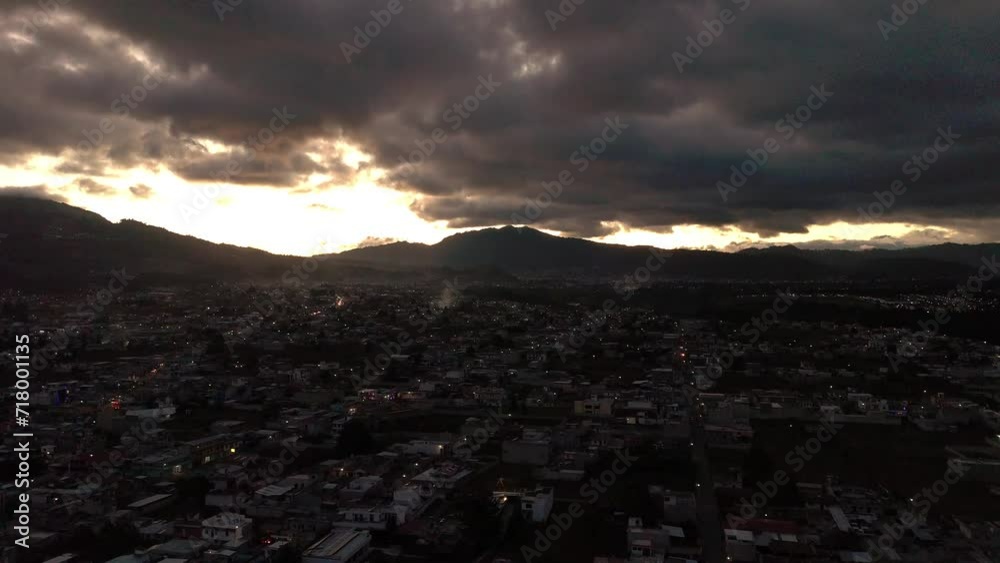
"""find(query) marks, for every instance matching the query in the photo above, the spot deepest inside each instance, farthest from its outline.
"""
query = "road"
(709, 522)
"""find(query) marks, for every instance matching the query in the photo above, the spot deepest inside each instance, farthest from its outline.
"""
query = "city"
(499, 281)
(499, 422)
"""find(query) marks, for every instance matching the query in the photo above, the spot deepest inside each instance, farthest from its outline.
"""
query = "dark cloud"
(89, 186)
(222, 80)
(141, 191)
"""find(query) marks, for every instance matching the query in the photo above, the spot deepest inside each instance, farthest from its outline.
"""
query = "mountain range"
(54, 245)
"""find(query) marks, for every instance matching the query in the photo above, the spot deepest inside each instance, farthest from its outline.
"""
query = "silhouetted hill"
(51, 245)
(523, 250)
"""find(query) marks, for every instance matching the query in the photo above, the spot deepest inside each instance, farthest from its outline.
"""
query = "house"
(408, 503)
(537, 505)
(447, 476)
(228, 529)
(679, 507)
(639, 413)
(491, 396)
(594, 407)
(337, 425)
(298, 482)
(647, 544)
(379, 517)
(361, 487)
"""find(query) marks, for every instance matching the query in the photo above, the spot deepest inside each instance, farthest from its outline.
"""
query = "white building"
(537, 505)
(446, 476)
(379, 517)
(407, 503)
(228, 529)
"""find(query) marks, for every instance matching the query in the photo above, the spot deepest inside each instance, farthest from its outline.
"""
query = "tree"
(354, 439)
(758, 468)
(191, 492)
(113, 540)
(216, 342)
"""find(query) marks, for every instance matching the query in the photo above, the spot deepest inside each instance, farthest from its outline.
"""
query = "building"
(229, 529)
(380, 517)
(679, 507)
(361, 487)
(340, 546)
(647, 544)
(152, 503)
(740, 545)
(732, 437)
(533, 448)
(535, 507)
(212, 448)
(593, 407)
(446, 476)
(432, 448)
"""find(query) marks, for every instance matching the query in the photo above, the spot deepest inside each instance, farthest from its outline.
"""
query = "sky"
(677, 123)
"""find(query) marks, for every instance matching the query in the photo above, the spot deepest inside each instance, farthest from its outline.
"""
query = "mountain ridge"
(51, 243)
(454, 251)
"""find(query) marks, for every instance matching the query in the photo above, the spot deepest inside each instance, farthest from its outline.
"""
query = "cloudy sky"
(278, 124)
